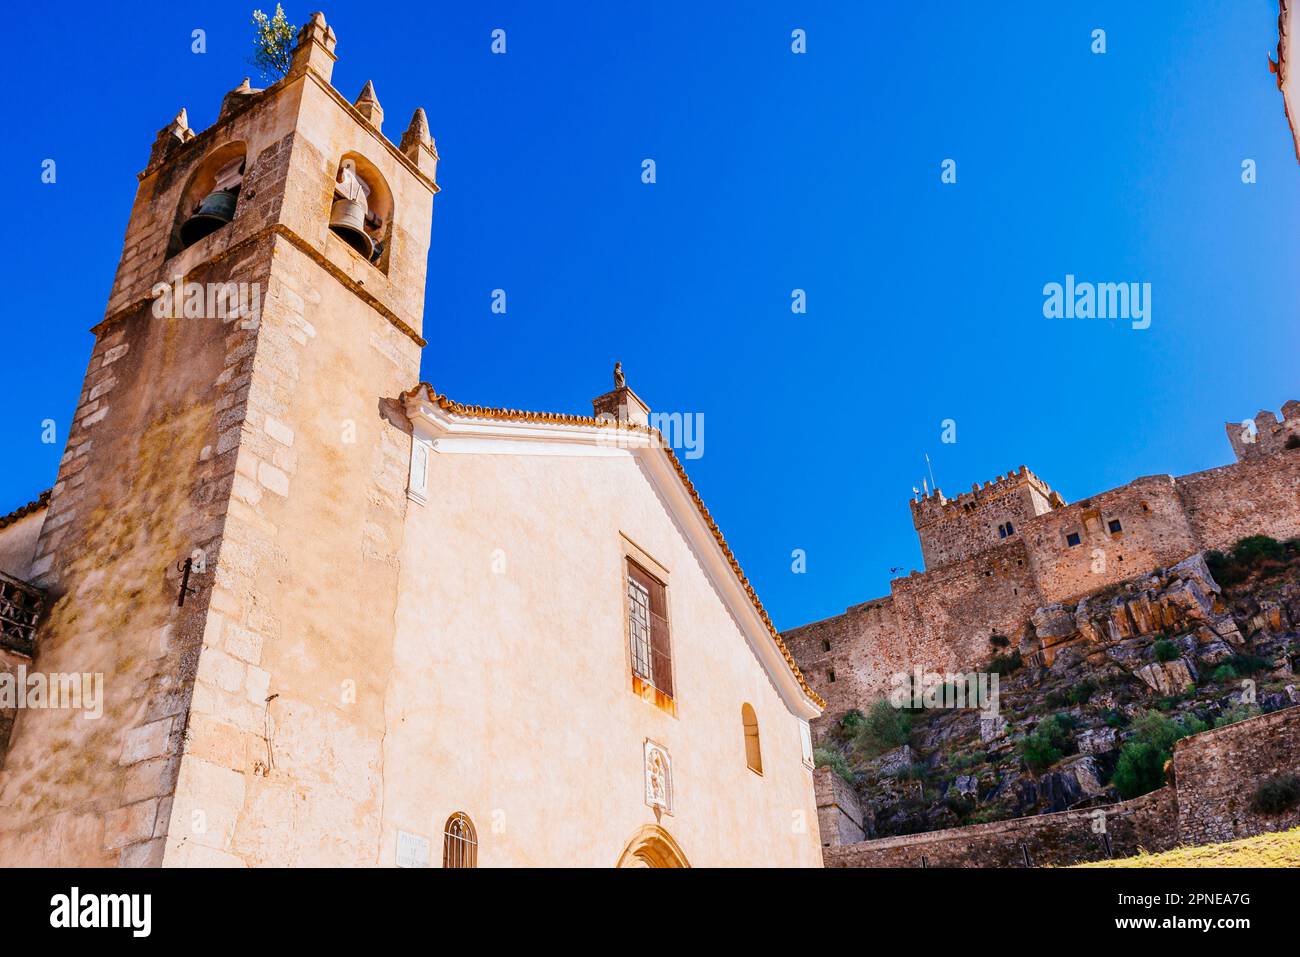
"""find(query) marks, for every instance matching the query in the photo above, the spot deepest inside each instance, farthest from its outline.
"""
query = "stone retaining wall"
(1068, 837)
(1216, 774)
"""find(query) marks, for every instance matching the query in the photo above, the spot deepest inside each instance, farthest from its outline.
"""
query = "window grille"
(648, 628)
(459, 842)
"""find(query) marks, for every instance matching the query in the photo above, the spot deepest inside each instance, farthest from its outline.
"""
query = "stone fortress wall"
(984, 578)
(1215, 775)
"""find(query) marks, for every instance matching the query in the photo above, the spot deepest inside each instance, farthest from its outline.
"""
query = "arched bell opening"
(209, 200)
(361, 209)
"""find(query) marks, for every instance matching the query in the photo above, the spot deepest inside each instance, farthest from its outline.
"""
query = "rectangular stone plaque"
(412, 850)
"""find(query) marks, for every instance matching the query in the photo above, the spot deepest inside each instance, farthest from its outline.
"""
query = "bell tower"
(221, 542)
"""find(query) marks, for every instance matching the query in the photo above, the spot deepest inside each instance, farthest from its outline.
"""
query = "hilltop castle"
(340, 618)
(998, 552)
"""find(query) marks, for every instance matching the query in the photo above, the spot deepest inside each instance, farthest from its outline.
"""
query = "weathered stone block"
(146, 741)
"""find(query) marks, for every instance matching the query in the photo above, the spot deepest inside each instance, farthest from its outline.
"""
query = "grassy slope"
(1281, 849)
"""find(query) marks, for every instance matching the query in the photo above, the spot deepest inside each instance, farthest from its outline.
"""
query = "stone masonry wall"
(941, 619)
(1269, 434)
(1217, 772)
(839, 815)
(140, 488)
(18, 540)
(1068, 837)
(951, 530)
(1258, 498)
(1215, 776)
(1154, 533)
(283, 762)
(271, 451)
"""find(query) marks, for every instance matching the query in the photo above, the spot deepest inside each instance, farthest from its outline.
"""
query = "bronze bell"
(217, 209)
(348, 219)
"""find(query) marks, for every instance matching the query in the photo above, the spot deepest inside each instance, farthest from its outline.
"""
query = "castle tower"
(1253, 440)
(989, 514)
(221, 544)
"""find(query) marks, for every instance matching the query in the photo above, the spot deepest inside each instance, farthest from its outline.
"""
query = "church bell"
(348, 219)
(217, 209)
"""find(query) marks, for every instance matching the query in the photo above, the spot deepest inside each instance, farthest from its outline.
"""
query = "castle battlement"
(1266, 433)
(1012, 545)
(935, 506)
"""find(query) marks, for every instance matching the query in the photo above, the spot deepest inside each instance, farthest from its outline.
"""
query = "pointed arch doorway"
(652, 846)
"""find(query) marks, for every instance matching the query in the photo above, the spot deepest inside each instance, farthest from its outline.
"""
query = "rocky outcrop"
(1169, 677)
(1098, 740)
(895, 762)
(1094, 667)
(1182, 600)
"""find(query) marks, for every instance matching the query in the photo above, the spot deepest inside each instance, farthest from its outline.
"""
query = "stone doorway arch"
(652, 846)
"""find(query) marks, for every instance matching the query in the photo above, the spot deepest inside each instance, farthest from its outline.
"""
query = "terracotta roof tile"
(42, 501)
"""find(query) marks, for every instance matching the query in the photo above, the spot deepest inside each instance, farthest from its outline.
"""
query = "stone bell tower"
(221, 543)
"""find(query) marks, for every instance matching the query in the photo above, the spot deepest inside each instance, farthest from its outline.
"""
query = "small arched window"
(753, 752)
(459, 842)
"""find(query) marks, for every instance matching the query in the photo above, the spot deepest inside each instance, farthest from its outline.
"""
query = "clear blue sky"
(775, 172)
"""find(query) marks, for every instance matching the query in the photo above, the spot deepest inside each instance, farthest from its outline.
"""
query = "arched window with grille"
(753, 753)
(459, 842)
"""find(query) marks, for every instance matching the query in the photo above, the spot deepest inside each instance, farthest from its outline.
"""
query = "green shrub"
(914, 772)
(1166, 650)
(883, 728)
(1141, 769)
(1005, 664)
(1116, 719)
(959, 804)
(1225, 672)
(1277, 794)
(273, 43)
(829, 758)
(1258, 553)
(1251, 549)
(1046, 745)
(1224, 569)
(1038, 753)
(963, 761)
(1141, 766)
(1268, 568)
(1246, 664)
(1000, 641)
(1065, 721)
(852, 720)
(1234, 714)
(1082, 692)
(987, 815)
(1056, 699)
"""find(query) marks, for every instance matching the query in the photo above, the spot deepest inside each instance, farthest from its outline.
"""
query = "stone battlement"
(935, 506)
(952, 530)
(1266, 433)
(1009, 546)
